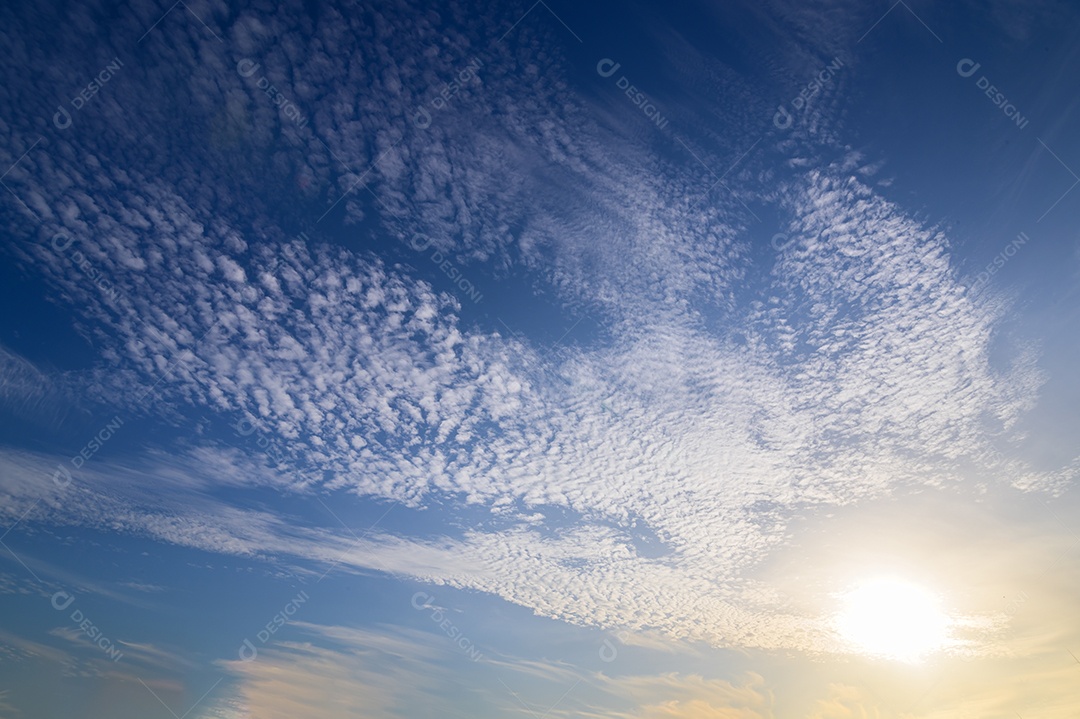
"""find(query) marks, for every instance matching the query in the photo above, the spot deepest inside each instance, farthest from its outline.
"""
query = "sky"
(620, 361)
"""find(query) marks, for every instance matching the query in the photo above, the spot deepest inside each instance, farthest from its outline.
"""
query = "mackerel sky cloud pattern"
(424, 298)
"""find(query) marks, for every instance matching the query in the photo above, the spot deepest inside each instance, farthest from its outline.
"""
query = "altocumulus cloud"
(370, 376)
(859, 365)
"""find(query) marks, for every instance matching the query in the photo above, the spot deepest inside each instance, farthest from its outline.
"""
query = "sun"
(893, 619)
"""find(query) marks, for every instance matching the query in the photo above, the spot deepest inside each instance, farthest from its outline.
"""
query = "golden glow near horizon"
(893, 619)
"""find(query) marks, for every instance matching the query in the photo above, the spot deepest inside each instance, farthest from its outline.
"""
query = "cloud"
(6, 709)
(844, 702)
(671, 696)
(31, 395)
(393, 671)
(306, 681)
(17, 648)
(724, 395)
(143, 586)
(337, 671)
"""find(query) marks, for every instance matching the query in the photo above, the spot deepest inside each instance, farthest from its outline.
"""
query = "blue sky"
(379, 360)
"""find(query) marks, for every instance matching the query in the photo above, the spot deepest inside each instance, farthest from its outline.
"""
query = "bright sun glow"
(893, 620)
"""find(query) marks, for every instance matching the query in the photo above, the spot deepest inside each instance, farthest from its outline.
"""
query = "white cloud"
(724, 398)
(864, 367)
